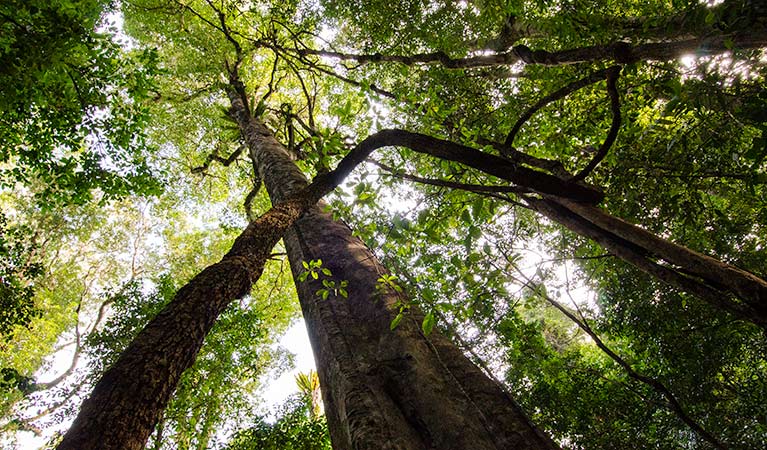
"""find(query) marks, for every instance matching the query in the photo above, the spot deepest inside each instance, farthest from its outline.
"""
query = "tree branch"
(491, 191)
(248, 204)
(612, 134)
(489, 164)
(620, 52)
(557, 95)
(213, 156)
(510, 153)
(225, 29)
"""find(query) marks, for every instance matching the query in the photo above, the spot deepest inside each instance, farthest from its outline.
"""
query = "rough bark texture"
(382, 389)
(745, 285)
(125, 405)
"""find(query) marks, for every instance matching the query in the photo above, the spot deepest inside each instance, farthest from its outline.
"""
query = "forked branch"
(214, 156)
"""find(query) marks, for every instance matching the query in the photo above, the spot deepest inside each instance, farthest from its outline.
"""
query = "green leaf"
(397, 319)
(476, 207)
(428, 323)
(466, 217)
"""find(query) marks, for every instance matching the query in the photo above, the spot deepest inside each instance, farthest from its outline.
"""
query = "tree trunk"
(126, 403)
(382, 389)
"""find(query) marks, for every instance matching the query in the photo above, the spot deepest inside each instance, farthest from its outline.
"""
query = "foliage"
(309, 387)
(72, 104)
(219, 386)
(296, 428)
(18, 271)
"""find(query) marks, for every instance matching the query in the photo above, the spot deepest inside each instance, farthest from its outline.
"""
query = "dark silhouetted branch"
(673, 403)
(487, 163)
(612, 134)
(620, 52)
(248, 204)
(554, 96)
(213, 156)
(491, 191)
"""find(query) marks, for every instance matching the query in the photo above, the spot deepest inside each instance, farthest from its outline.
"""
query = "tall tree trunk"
(126, 403)
(382, 388)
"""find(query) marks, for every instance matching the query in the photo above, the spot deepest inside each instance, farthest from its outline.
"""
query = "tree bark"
(747, 286)
(382, 388)
(126, 403)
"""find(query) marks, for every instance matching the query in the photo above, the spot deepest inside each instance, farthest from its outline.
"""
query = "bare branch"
(271, 84)
(248, 204)
(309, 98)
(225, 29)
(620, 52)
(510, 153)
(87, 283)
(213, 156)
(489, 164)
(491, 191)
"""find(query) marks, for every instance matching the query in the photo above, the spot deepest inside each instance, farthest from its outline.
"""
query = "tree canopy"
(572, 191)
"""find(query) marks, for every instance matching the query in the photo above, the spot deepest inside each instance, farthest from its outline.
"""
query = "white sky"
(296, 341)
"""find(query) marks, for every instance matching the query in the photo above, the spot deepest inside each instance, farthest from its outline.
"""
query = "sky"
(296, 341)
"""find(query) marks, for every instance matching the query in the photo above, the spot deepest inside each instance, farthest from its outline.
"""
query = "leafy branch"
(315, 270)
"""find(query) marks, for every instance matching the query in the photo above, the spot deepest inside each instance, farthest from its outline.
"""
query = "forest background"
(126, 171)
